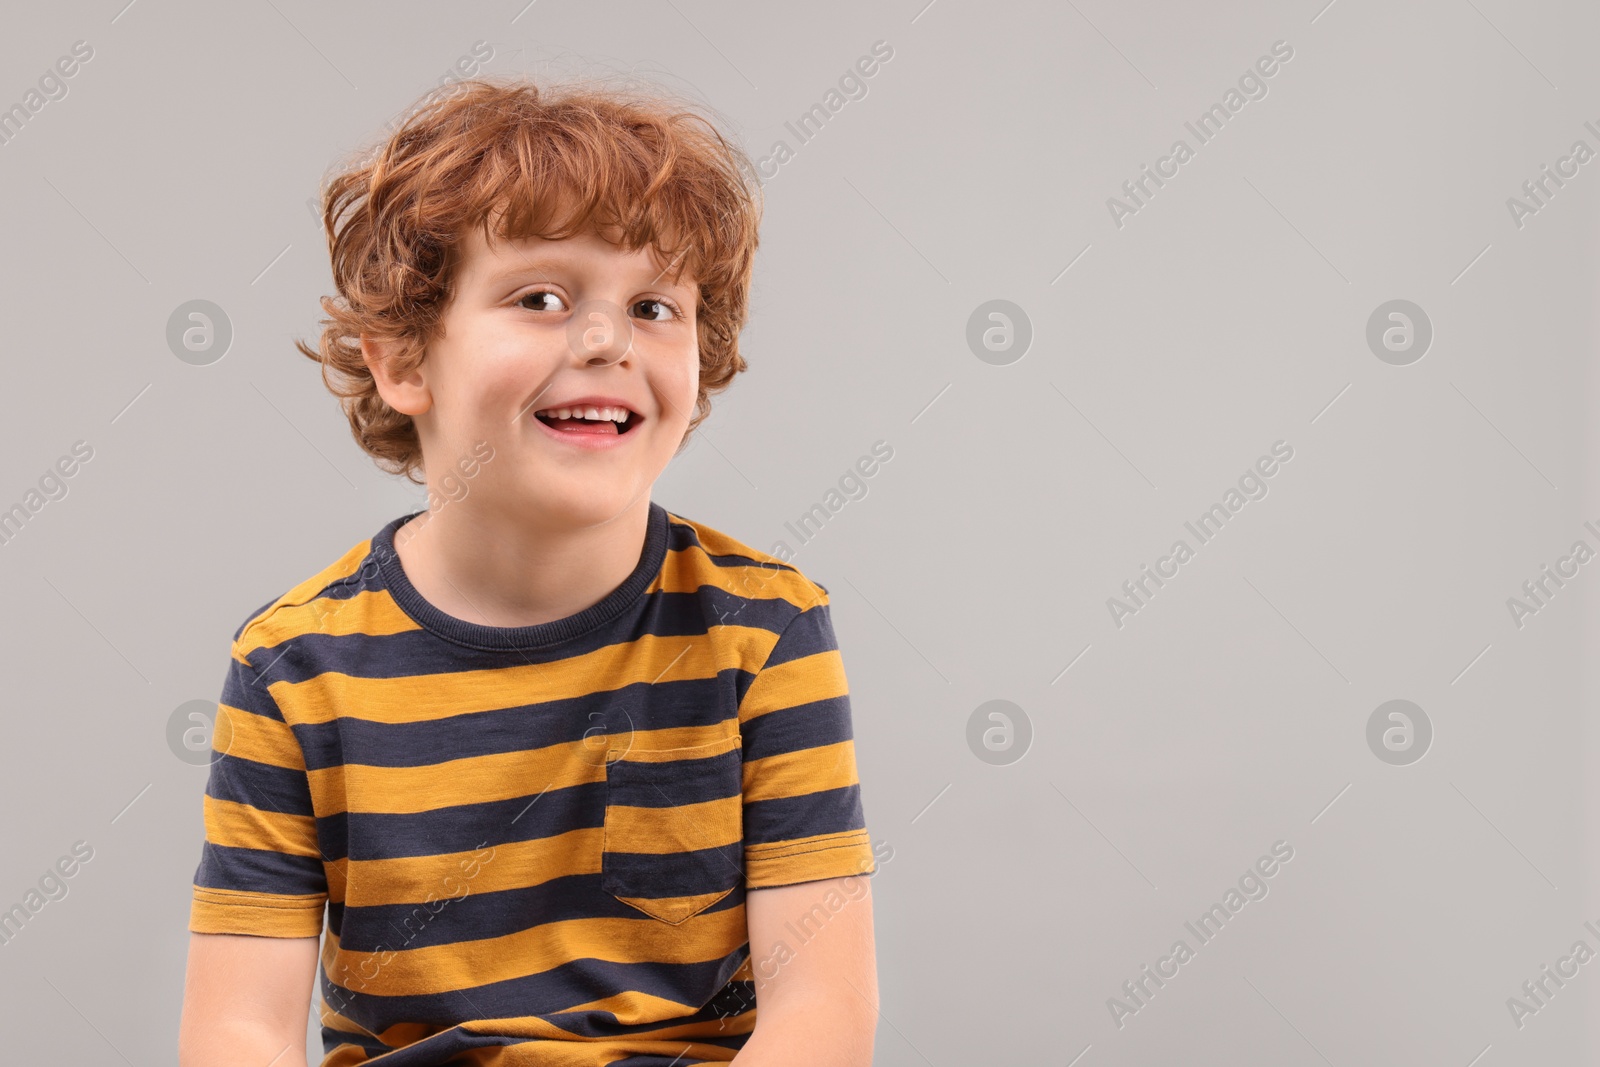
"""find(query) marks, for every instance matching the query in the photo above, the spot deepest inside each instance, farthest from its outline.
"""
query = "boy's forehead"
(497, 258)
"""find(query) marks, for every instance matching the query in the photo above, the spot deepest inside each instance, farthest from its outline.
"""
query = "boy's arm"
(816, 1001)
(260, 890)
(246, 1000)
(808, 901)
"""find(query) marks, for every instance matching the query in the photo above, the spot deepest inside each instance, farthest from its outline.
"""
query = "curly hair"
(531, 161)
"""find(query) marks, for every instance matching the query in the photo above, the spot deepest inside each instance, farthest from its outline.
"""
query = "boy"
(572, 775)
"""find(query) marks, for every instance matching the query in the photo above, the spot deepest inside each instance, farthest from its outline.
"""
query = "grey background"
(1230, 312)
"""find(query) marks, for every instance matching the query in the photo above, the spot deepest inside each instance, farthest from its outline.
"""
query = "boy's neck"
(494, 569)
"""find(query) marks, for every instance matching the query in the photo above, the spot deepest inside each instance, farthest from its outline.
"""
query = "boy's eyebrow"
(535, 263)
(539, 264)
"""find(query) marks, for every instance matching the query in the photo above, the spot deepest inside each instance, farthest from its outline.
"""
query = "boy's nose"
(599, 333)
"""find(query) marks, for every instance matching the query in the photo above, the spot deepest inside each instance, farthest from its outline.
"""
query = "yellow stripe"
(225, 911)
(633, 1008)
(674, 743)
(662, 831)
(463, 965)
(797, 845)
(347, 1056)
(343, 567)
(689, 569)
(368, 612)
(439, 696)
(809, 860)
(448, 876)
(343, 1023)
(356, 787)
(361, 788)
(255, 737)
(800, 681)
(793, 774)
(238, 825)
(675, 910)
(714, 542)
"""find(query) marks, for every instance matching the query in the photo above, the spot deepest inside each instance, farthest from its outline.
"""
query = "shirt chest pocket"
(674, 830)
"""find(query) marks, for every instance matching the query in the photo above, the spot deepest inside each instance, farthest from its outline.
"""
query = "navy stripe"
(463, 827)
(261, 871)
(808, 632)
(480, 915)
(547, 993)
(692, 702)
(822, 722)
(260, 785)
(652, 876)
(424, 1052)
(332, 1038)
(830, 811)
(243, 689)
(673, 783)
(418, 652)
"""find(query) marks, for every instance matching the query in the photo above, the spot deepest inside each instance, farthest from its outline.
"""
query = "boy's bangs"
(561, 210)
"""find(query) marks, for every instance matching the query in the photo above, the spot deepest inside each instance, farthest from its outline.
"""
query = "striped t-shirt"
(532, 841)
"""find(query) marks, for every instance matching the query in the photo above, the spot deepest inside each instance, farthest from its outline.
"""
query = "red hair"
(529, 161)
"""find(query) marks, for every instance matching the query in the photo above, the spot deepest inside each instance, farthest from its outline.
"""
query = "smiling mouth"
(580, 425)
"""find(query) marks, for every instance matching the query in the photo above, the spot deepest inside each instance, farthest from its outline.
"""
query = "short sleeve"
(261, 871)
(803, 817)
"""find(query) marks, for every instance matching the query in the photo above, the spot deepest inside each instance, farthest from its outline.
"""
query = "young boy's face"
(536, 325)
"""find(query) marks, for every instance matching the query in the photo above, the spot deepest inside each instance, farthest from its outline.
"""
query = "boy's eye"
(535, 295)
(667, 311)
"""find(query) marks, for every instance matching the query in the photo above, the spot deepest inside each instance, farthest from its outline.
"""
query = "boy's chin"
(577, 504)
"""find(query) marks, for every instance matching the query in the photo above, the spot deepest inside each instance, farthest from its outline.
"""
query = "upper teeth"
(614, 414)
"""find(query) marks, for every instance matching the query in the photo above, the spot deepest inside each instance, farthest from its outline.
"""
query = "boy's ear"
(408, 393)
